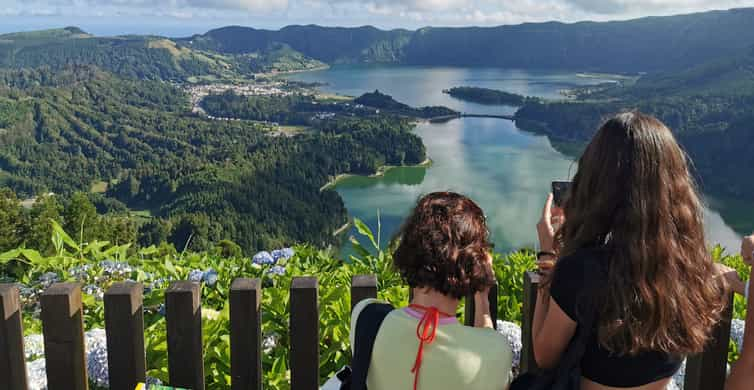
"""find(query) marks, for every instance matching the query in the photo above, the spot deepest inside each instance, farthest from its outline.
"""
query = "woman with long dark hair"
(632, 264)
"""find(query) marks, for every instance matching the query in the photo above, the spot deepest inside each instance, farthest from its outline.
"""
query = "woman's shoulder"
(578, 276)
(586, 262)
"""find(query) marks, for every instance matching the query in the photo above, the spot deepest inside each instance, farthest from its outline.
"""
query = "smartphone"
(560, 192)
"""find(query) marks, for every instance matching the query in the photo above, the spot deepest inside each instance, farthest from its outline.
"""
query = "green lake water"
(505, 170)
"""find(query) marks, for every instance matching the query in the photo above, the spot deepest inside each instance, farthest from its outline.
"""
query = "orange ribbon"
(426, 331)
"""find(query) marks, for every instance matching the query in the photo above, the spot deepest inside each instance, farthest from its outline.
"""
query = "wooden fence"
(63, 331)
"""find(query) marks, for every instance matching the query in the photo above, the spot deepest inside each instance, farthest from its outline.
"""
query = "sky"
(186, 17)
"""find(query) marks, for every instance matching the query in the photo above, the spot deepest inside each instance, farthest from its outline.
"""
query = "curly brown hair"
(444, 245)
(633, 193)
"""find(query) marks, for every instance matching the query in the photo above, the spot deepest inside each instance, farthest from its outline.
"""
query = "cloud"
(382, 13)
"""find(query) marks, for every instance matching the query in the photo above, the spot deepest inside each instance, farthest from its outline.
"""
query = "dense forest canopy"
(708, 106)
(641, 45)
(142, 57)
(208, 180)
(488, 96)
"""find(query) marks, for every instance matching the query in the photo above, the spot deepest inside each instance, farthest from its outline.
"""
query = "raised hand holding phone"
(552, 217)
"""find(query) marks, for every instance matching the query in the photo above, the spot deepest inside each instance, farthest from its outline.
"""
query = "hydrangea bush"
(98, 265)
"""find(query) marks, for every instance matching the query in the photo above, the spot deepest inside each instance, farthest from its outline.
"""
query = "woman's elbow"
(544, 356)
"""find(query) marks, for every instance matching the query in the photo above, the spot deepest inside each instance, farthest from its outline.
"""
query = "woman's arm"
(482, 316)
(552, 329)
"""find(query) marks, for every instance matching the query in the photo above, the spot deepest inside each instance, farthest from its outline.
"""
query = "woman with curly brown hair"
(632, 266)
(444, 255)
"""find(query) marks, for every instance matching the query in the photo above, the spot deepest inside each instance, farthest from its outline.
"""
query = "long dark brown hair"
(634, 196)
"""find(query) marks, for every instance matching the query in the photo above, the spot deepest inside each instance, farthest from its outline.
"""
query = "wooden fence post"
(363, 287)
(470, 307)
(63, 331)
(304, 334)
(531, 285)
(12, 358)
(246, 334)
(124, 326)
(708, 370)
(184, 322)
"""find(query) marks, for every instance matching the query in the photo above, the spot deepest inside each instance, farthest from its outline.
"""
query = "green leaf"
(58, 231)
(364, 230)
(9, 255)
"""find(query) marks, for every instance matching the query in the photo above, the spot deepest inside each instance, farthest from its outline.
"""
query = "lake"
(507, 171)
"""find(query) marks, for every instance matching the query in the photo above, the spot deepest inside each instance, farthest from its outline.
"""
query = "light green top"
(461, 357)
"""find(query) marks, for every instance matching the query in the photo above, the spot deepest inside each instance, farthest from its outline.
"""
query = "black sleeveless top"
(574, 292)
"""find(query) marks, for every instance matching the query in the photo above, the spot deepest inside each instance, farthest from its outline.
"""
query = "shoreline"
(343, 228)
(289, 72)
(381, 171)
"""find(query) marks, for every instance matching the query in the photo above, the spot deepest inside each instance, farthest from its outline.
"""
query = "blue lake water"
(506, 170)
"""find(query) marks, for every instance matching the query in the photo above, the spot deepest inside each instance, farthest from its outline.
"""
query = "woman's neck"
(431, 298)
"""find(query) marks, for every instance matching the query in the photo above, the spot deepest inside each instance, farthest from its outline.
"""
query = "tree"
(11, 220)
(117, 230)
(192, 231)
(45, 210)
(80, 217)
(154, 232)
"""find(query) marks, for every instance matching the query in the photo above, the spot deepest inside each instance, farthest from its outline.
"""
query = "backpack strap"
(367, 325)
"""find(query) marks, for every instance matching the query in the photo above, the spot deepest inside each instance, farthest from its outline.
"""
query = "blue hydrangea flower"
(263, 258)
(512, 333)
(48, 279)
(37, 374)
(96, 357)
(737, 329)
(80, 272)
(34, 347)
(282, 254)
(210, 277)
(270, 341)
(276, 270)
(153, 381)
(117, 268)
(161, 310)
(94, 290)
(196, 275)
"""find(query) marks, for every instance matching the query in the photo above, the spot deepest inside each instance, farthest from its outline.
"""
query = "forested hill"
(708, 106)
(642, 45)
(143, 57)
(82, 129)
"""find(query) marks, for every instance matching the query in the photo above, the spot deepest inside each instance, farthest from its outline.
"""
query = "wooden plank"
(63, 332)
(708, 370)
(363, 287)
(531, 285)
(304, 333)
(184, 322)
(124, 324)
(12, 362)
(246, 334)
(470, 307)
